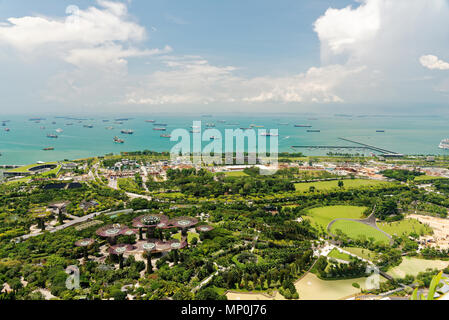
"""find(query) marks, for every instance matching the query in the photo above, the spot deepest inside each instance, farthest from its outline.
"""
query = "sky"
(262, 56)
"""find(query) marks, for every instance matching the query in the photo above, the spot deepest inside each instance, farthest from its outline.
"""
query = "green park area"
(336, 254)
(362, 253)
(413, 266)
(235, 174)
(425, 178)
(404, 227)
(356, 230)
(329, 185)
(322, 216)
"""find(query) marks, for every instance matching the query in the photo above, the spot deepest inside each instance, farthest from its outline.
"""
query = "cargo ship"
(313, 130)
(160, 129)
(117, 140)
(444, 144)
(48, 149)
(160, 124)
(127, 131)
(380, 130)
(150, 121)
(268, 134)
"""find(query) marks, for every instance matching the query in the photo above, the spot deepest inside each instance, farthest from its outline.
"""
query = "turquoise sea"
(24, 142)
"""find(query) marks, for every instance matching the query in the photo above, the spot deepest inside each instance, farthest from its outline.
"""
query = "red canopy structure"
(112, 231)
(204, 228)
(84, 242)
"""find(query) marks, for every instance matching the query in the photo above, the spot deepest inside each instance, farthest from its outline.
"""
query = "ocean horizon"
(26, 139)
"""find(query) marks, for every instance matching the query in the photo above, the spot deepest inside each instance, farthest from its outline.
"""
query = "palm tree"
(432, 288)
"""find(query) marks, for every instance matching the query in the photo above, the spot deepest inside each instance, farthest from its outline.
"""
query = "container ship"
(127, 132)
(444, 144)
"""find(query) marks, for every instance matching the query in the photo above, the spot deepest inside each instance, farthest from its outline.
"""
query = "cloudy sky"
(366, 56)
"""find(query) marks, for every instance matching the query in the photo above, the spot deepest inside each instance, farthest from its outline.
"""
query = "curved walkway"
(370, 221)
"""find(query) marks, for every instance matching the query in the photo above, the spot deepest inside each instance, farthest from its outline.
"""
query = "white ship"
(444, 144)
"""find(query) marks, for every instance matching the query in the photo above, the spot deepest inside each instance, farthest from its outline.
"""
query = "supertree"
(85, 244)
(119, 250)
(184, 223)
(111, 232)
(149, 222)
(40, 214)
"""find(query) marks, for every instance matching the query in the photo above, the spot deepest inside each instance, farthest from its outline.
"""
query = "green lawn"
(413, 266)
(25, 169)
(339, 255)
(405, 226)
(324, 215)
(235, 174)
(354, 230)
(362, 253)
(427, 178)
(329, 185)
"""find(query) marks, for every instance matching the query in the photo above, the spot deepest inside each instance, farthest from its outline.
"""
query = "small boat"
(109, 128)
(88, 126)
(7, 129)
(117, 140)
(129, 131)
(59, 130)
(51, 135)
(150, 121)
(48, 149)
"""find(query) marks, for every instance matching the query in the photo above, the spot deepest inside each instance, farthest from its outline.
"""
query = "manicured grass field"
(413, 266)
(235, 174)
(427, 178)
(329, 185)
(405, 226)
(324, 215)
(339, 255)
(354, 230)
(26, 169)
(362, 253)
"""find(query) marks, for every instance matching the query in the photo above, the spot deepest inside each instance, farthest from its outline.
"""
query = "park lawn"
(235, 174)
(335, 253)
(324, 215)
(362, 253)
(25, 169)
(354, 230)
(190, 236)
(427, 178)
(413, 266)
(329, 185)
(405, 227)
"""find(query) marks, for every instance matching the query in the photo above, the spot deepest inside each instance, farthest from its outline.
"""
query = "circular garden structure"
(149, 222)
(85, 244)
(111, 232)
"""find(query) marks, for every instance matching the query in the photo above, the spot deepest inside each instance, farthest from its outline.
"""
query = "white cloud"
(386, 37)
(432, 62)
